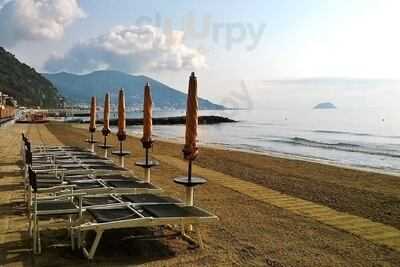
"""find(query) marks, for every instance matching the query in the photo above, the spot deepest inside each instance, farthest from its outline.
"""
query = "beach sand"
(257, 226)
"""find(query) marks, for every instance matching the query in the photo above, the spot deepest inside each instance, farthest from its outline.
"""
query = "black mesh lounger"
(47, 184)
(171, 210)
(86, 184)
(127, 184)
(113, 214)
(60, 206)
(117, 177)
(70, 178)
(49, 206)
(136, 199)
(149, 199)
(90, 201)
(128, 216)
(44, 177)
(88, 156)
(72, 166)
(105, 167)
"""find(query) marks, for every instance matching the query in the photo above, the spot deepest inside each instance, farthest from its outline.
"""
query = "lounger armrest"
(79, 194)
(52, 170)
(56, 188)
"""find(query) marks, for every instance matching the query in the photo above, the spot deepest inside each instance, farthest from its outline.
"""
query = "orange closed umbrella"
(190, 150)
(147, 118)
(92, 126)
(121, 134)
(106, 116)
(121, 116)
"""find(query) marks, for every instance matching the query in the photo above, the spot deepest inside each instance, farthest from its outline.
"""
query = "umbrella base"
(121, 153)
(105, 146)
(194, 181)
(149, 164)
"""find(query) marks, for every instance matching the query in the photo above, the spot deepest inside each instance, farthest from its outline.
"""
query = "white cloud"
(3, 2)
(130, 49)
(24, 20)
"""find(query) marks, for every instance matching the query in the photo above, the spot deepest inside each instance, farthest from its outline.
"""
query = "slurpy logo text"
(227, 34)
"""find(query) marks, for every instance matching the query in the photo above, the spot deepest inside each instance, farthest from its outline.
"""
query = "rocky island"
(325, 105)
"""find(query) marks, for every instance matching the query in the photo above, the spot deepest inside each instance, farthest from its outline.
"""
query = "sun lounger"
(51, 206)
(124, 215)
(93, 185)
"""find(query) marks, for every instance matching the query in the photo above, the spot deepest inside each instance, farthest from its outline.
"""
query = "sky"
(222, 41)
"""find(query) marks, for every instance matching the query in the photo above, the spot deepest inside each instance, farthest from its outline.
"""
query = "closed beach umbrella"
(92, 126)
(106, 119)
(147, 117)
(121, 116)
(190, 150)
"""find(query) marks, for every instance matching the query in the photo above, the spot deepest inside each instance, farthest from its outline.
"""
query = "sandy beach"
(273, 211)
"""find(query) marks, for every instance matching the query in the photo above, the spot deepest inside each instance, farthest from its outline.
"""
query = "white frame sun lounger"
(51, 206)
(140, 221)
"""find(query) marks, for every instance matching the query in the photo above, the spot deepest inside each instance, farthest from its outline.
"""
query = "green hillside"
(24, 83)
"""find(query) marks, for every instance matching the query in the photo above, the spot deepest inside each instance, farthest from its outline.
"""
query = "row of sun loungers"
(96, 195)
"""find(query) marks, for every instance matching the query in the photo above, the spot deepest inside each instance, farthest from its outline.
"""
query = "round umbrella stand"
(147, 164)
(91, 141)
(190, 183)
(105, 147)
(121, 154)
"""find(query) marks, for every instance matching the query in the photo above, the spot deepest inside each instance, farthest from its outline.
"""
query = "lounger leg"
(34, 238)
(79, 239)
(37, 248)
(82, 236)
(96, 241)
(30, 227)
(39, 242)
(71, 232)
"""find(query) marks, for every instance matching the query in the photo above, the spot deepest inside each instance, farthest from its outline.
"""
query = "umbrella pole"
(122, 162)
(190, 192)
(147, 169)
(189, 188)
(91, 143)
(105, 147)
(190, 171)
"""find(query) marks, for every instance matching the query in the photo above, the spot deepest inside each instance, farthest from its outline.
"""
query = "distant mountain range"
(79, 89)
(24, 84)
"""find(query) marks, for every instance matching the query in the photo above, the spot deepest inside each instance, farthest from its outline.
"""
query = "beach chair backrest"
(32, 179)
(24, 138)
(28, 145)
(28, 157)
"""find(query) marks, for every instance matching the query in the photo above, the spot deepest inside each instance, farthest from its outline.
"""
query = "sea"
(367, 139)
